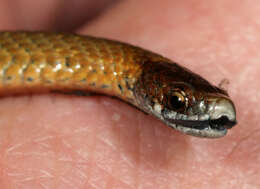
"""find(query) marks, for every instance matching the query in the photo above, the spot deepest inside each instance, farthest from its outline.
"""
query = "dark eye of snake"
(177, 101)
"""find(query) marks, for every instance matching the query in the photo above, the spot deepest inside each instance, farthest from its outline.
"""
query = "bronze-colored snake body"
(37, 62)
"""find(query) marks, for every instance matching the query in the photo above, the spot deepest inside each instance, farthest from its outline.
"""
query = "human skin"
(61, 141)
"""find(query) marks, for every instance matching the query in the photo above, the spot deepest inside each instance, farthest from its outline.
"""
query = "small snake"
(40, 62)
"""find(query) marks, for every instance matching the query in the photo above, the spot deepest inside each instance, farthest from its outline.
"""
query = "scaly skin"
(40, 62)
(37, 62)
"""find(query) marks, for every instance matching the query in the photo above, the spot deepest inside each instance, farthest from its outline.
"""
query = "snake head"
(184, 100)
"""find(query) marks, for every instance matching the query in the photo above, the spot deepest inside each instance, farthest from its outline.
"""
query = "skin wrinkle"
(241, 142)
(183, 170)
(127, 158)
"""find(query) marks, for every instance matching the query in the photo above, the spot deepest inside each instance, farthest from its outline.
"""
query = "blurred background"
(58, 15)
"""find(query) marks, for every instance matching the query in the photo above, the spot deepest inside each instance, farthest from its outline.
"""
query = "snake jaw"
(211, 122)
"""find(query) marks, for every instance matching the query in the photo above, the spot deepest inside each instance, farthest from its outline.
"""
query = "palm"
(56, 141)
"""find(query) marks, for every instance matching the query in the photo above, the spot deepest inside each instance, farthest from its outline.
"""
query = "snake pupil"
(177, 102)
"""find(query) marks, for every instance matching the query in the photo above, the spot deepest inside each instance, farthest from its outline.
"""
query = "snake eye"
(177, 101)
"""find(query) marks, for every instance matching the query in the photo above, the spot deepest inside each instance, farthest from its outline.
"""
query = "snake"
(51, 62)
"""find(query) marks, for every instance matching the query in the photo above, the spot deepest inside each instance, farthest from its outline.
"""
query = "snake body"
(40, 62)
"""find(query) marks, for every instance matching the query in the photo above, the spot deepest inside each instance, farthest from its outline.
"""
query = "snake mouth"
(220, 124)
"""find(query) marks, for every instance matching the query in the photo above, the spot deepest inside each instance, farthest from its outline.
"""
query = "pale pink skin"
(57, 141)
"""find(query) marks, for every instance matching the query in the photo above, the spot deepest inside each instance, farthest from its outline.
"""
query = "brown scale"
(37, 62)
(42, 62)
